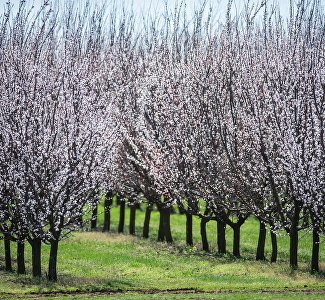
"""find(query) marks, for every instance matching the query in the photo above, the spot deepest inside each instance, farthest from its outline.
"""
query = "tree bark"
(8, 265)
(294, 238)
(315, 251)
(146, 223)
(52, 271)
(133, 209)
(161, 233)
(189, 229)
(205, 243)
(274, 242)
(21, 269)
(166, 225)
(36, 244)
(122, 217)
(107, 212)
(236, 245)
(221, 236)
(260, 251)
(94, 217)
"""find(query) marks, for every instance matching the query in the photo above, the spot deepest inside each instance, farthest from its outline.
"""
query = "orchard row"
(168, 111)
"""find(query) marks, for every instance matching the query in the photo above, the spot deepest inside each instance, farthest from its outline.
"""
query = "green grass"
(93, 261)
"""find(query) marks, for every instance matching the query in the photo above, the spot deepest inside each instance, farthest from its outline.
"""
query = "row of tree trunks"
(21, 269)
(260, 251)
(221, 240)
(107, 215)
(164, 232)
(164, 226)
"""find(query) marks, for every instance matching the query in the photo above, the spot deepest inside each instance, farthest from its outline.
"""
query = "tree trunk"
(236, 245)
(205, 243)
(274, 242)
(161, 233)
(294, 238)
(221, 236)
(260, 251)
(52, 271)
(305, 218)
(94, 217)
(107, 212)
(21, 269)
(122, 217)
(315, 251)
(8, 266)
(36, 244)
(166, 225)
(133, 209)
(189, 229)
(146, 223)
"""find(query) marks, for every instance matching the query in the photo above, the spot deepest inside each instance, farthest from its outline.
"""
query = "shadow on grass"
(70, 283)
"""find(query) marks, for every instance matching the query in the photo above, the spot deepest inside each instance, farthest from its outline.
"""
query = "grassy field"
(117, 266)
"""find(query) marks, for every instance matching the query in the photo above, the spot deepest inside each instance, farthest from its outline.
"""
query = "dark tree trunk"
(205, 243)
(189, 229)
(315, 251)
(306, 218)
(164, 231)
(166, 225)
(107, 212)
(122, 217)
(8, 265)
(161, 233)
(294, 238)
(146, 223)
(36, 257)
(52, 271)
(236, 245)
(21, 269)
(260, 251)
(294, 247)
(133, 209)
(94, 217)
(274, 242)
(221, 236)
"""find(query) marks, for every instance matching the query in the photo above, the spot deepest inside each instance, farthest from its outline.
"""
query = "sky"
(157, 7)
